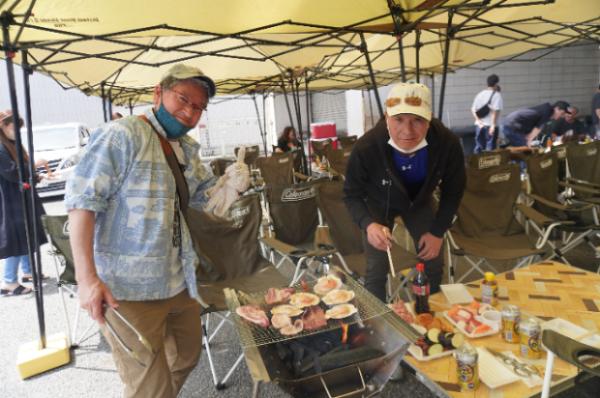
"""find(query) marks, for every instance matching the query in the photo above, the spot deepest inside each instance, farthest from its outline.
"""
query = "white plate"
(456, 293)
(471, 335)
(492, 372)
(565, 328)
(417, 353)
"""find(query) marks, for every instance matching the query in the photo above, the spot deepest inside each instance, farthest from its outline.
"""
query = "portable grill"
(353, 357)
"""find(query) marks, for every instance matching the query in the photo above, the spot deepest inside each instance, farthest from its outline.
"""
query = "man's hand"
(491, 130)
(429, 246)
(379, 236)
(93, 293)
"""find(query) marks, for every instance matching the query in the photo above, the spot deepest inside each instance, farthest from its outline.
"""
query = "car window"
(52, 138)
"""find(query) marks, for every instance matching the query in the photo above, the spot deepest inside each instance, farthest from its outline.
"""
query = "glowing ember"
(344, 333)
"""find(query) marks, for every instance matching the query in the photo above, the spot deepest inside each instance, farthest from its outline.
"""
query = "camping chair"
(347, 141)
(57, 230)
(279, 168)
(347, 239)
(252, 153)
(294, 231)
(486, 228)
(219, 165)
(338, 160)
(319, 147)
(236, 263)
(548, 216)
(572, 351)
(584, 172)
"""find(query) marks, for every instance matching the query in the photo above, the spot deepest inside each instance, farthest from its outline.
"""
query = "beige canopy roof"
(253, 44)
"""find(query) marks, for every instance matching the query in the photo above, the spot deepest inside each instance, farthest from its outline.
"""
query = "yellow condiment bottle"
(489, 289)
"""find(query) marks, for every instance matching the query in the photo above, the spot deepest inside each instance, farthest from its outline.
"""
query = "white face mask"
(420, 145)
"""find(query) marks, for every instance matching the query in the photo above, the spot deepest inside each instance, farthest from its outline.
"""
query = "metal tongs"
(520, 368)
(132, 353)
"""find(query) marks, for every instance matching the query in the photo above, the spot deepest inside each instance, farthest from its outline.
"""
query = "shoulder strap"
(489, 101)
(180, 181)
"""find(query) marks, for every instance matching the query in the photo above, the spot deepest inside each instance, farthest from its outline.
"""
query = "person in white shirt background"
(486, 130)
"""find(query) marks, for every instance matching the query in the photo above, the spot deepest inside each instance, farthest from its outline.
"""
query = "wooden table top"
(546, 290)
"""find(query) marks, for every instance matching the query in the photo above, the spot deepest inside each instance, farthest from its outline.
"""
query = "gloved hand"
(228, 187)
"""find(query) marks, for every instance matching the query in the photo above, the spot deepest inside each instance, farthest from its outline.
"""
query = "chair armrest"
(302, 177)
(279, 246)
(579, 187)
(583, 182)
(546, 202)
(534, 215)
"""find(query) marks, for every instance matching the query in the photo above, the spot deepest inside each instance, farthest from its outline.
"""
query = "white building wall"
(569, 74)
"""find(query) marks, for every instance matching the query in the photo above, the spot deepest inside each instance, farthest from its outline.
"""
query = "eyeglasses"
(183, 100)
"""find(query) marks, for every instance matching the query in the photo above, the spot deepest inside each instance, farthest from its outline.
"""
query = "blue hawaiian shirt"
(124, 178)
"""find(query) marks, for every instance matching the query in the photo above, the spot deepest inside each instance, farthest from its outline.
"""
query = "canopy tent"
(243, 44)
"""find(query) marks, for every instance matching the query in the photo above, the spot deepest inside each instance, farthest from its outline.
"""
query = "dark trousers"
(417, 221)
(483, 140)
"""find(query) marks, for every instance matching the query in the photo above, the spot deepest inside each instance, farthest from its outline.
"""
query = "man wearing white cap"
(393, 171)
(131, 245)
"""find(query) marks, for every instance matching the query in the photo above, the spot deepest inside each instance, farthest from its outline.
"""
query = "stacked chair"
(347, 238)
(559, 222)
(486, 228)
(57, 230)
(235, 262)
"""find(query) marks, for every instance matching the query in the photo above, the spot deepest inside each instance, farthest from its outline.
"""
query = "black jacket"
(13, 241)
(374, 191)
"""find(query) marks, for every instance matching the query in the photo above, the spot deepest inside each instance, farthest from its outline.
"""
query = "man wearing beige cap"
(131, 245)
(393, 171)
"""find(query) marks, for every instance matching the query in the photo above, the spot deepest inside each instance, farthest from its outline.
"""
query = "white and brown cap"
(413, 98)
(184, 72)
(5, 114)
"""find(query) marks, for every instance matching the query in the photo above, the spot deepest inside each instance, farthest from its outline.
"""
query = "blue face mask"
(173, 127)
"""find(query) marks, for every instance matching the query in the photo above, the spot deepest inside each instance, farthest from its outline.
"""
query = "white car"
(60, 145)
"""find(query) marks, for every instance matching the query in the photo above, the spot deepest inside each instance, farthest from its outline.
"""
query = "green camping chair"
(347, 239)
(562, 225)
(486, 227)
(294, 230)
(57, 230)
(235, 263)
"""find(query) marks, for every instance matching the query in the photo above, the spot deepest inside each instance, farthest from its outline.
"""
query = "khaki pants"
(173, 328)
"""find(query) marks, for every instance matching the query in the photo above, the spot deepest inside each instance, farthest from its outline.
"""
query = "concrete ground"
(91, 372)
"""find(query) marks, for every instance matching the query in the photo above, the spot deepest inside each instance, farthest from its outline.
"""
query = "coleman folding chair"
(584, 172)
(337, 160)
(234, 262)
(562, 225)
(319, 147)
(57, 230)
(486, 227)
(279, 169)
(347, 239)
(347, 141)
(294, 230)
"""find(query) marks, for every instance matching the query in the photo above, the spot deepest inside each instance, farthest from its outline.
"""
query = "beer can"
(511, 316)
(467, 369)
(530, 331)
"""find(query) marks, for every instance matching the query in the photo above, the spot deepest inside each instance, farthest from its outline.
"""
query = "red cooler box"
(323, 131)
